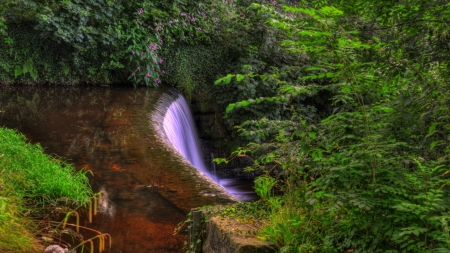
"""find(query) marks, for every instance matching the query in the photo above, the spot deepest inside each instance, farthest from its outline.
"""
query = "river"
(112, 132)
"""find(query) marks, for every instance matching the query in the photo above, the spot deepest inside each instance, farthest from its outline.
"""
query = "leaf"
(432, 127)
(434, 143)
(230, 108)
(312, 135)
(18, 71)
(27, 66)
(239, 77)
(263, 77)
(66, 69)
(254, 6)
(346, 90)
(227, 79)
(313, 68)
(34, 74)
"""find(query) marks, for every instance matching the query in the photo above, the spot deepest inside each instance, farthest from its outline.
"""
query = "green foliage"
(3, 27)
(192, 68)
(264, 186)
(14, 235)
(82, 24)
(36, 175)
(30, 180)
(30, 59)
(105, 38)
(370, 173)
(161, 23)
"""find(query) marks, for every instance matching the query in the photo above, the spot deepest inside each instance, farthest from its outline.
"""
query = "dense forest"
(344, 105)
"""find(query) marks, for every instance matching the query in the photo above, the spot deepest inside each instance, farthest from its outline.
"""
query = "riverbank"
(34, 187)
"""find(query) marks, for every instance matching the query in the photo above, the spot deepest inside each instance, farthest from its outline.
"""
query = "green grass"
(30, 180)
(14, 229)
(39, 176)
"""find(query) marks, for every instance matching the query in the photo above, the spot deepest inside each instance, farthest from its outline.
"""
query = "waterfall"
(179, 129)
(175, 123)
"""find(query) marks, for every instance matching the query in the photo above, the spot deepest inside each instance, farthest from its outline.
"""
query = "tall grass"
(28, 174)
(39, 176)
(14, 230)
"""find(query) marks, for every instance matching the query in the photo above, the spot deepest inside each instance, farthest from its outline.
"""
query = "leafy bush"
(353, 179)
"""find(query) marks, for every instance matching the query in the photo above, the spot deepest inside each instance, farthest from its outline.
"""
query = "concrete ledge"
(226, 235)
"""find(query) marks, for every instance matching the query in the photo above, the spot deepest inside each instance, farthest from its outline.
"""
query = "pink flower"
(170, 22)
(133, 74)
(138, 68)
(154, 47)
(157, 80)
(3, 19)
(212, 10)
(199, 28)
(183, 14)
(163, 71)
(161, 60)
(132, 51)
(148, 75)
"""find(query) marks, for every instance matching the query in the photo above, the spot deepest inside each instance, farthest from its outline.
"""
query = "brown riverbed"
(111, 132)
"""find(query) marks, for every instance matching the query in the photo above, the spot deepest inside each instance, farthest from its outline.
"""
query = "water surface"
(111, 132)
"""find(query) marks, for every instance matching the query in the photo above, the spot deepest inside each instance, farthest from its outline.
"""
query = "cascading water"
(176, 124)
(179, 129)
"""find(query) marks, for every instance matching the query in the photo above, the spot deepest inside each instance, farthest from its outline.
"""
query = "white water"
(176, 123)
(179, 128)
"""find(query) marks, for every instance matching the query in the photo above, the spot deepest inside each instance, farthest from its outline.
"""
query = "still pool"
(113, 133)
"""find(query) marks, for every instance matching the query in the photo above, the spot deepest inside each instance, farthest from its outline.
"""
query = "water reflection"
(110, 132)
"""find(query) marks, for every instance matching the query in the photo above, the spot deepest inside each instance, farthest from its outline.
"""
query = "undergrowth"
(36, 175)
(371, 174)
(15, 233)
(31, 184)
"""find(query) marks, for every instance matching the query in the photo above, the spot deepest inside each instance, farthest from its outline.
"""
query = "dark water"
(111, 132)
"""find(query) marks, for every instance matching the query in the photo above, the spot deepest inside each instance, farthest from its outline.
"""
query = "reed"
(77, 222)
(102, 237)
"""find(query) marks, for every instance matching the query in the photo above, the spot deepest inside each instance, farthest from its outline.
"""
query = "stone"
(230, 236)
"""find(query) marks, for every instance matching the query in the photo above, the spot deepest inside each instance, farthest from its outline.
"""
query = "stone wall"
(226, 235)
